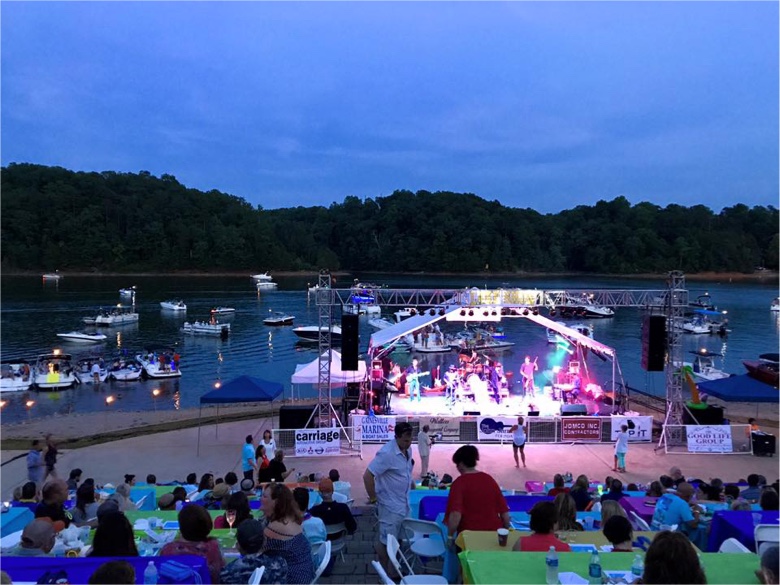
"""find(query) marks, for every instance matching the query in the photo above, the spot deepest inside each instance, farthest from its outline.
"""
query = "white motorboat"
(15, 376)
(127, 292)
(278, 319)
(52, 275)
(553, 336)
(266, 285)
(178, 306)
(119, 315)
(703, 366)
(313, 289)
(84, 370)
(54, 371)
(775, 306)
(159, 365)
(361, 309)
(223, 311)
(311, 333)
(206, 328)
(82, 337)
(703, 302)
(380, 323)
(701, 323)
(262, 277)
(126, 370)
(432, 347)
(584, 307)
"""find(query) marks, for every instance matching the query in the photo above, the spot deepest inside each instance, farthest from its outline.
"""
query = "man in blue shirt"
(753, 491)
(676, 509)
(248, 463)
(35, 463)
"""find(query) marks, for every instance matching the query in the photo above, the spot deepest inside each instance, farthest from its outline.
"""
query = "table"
(482, 567)
(737, 524)
(640, 506)
(482, 540)
(15, 519)
(146, 493)
(430, 507)
(546, 486)
(134, 515)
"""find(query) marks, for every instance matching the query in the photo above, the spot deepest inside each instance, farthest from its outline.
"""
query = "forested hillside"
(56, 218)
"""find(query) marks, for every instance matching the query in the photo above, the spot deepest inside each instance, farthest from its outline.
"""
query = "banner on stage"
(709, 438)
(640, 428)
(495, 428)
(317, 442)
(580, 428)
(446, 427)
(374, 429)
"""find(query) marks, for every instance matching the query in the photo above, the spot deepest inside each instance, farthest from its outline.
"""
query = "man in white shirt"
(424, 443)
(388, 479)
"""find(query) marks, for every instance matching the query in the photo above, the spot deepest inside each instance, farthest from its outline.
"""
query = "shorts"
(516, 446)
(389, 523)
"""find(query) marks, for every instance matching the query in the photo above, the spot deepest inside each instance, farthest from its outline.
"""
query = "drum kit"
(471, 382)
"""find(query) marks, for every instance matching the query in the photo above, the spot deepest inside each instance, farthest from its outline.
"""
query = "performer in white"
(527, 370)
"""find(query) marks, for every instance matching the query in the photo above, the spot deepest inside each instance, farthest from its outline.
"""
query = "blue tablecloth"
(16, 518)
(432, 506)
(736, 524)
(137, 493)
(525, 519)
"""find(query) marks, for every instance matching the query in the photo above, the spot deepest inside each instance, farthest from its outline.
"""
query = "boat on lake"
(766, 368)
(82, 337)
(84, 370)
(118, 315)
(216, 328)
(703, 366)
(15, 376)
(262, 277)
(583, 307)
(159, 365)
(54, 371)
(173, 305)
(278, 318)
(311, 333)
(52, 275)
(125, 370)
(266, 285)
(553, 336)
(775, 306)
(127, 292)
(358, 309)
(223, 311)
(703, 302)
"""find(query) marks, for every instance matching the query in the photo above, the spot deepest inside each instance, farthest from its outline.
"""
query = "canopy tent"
(571, 334)
(390, 334)
(242, 389)
(310, 373)
(742, 388)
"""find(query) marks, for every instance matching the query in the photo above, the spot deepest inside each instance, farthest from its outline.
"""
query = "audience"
(250, 542)
(313, 527)
(37, 540)
(284, 534)
(151, 479)
(769, 573)
(611, 508)
(248, 486)
(73, 479)
(543, 526)
(343, 487)
(130, 479)
(741, 504)
(677, 476)
(206, 484)
(655, 490)
(731, 492)
(231, 479)
(580, 493)
(55, 494)
(332, 512)
(676, 509)
(277, 470)
(29, 493)
(618, 531)
(238, 502)
(86, 507)
(666, 483)
(615, 492)
(166, 502)
(671, 558)
(214, 499)
(752, 492)
(558, 486)
(566, 512)
(114, 537)
(113, 573)
(712, 491)
(122, 497)
(768, 500)
(194, 526)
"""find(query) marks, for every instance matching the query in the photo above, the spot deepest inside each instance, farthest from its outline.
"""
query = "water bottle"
(594, 569)
(150, 574)
(638, 568)
(552, 567)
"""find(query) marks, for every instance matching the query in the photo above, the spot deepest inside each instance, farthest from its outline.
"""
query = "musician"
(451, 378)
(413, 374)
(527, 370)
(495, 381)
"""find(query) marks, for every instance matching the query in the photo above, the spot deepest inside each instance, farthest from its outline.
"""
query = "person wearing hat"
(388, 480)
(37, 540)
(248, 486)
(250, 541)
(166, 502)
(332, 512)
(215, 497)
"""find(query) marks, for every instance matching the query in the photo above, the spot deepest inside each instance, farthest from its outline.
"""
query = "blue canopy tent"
(242, 389)
(742, 388)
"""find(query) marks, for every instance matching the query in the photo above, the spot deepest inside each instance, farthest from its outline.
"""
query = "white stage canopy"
(390, 334)
(571, 334)
(310, 373)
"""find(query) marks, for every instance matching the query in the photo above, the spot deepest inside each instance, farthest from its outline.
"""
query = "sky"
(542, 105)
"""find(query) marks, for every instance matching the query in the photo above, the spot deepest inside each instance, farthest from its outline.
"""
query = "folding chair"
(340, 498)
(337, 544)
(639, 522)
(732, 545)
(426, 539)
(766, 535)
(256, 576)
(386, 580)
(323, 556)
(402, 566)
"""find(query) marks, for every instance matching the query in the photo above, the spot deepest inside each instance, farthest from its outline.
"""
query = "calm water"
(34, 312)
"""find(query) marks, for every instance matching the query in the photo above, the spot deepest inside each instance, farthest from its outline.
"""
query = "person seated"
(769, 499)
(770, 566)
(55, 494)
(611, 508)
(676, 509)
(753, 491)
(671, 558)
(250, 542)
(179, 497)
(558, 486)
(85, 510)
(618, 531)
(37, 540)
(543, 526)
(332, 512)
(632, 487)
(204, 487)
(151, 479)
(277, 470)
(191, 483)
(194, 528)
(114, 537)
(130, 479)
(677, 476)
(340, 487)
(284, 534)
(752, 426)
(731, 492)
(122, 497)
(214, 499)
(667, 483)
(29, 494)
(232, 480)
(248, 487)
(580, 493)
(313, 527)
(654, 490)
(615, 492)
(711, 491)
(566, 511)
(114, 572)
(740, 505)
(74, 477)
(166, 502)
(238, 502)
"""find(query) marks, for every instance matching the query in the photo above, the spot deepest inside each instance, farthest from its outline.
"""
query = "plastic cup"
(588, 522)
(503, 536)
(756, 518)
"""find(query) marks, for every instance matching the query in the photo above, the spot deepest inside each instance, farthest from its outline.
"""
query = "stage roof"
(742, 388)
(571, 334)
(407, 326)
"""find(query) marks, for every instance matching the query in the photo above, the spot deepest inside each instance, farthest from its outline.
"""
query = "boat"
(352, 309)
(314, 288)
(173, 305)
(703, 366)
(278, 318)
(15, 376)
(82, 337)
(701, 323)
(553, 336)
(118, 315)
(262, 277)
(584, 307)
(775, 306)
(379, 323)
(432, 347)
(52, 275)
(54, 371)
(703, 302)
(125, 369)
(766, 368)
(223, 311)
(206, 328)
(266, 285)
(127, 292)
(84, 370)
(311, 333)
(160, 364)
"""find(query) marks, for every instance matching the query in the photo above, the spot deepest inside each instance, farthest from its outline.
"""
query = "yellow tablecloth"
(488, 541)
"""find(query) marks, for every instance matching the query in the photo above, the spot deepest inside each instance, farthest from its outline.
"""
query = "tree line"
(130, 222)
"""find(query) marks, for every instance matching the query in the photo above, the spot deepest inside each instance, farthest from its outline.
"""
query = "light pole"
(109, 401)
(155, 394)
(29, 404)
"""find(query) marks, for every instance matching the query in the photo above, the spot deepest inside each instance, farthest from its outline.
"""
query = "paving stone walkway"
(359, 552)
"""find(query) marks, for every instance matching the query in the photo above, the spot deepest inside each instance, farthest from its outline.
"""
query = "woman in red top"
(543, 518)
(475, 501)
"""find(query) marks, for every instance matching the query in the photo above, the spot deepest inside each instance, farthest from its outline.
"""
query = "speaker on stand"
(653, 343)
(350, 337)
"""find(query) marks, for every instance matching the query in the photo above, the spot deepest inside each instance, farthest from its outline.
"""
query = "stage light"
(217, 384)
(484, 313)
(432, 312)
(525, 312)
(56, 352)
(556, 369)
(552, 312)
(155, 392)
(471, 313)
(3, 403)
(463, 312)
(441, 312)
(535, 311)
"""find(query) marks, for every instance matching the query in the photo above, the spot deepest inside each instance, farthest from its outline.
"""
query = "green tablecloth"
(134, 515)
(482, 567)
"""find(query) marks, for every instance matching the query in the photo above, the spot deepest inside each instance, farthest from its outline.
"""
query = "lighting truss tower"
(326, 300)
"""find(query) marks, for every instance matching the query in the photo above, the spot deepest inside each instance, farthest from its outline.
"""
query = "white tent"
(310, 373)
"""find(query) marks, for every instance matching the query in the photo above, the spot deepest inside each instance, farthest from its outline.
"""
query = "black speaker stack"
(653, 343)
(349, 342)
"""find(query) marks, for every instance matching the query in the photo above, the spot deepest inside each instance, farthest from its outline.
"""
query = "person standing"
(527, 370)
(424, 444)
(518, 440)
(387, 480)
(50, 459)
(621, 448)
(35, 463)
(413, 375)
(248, 462)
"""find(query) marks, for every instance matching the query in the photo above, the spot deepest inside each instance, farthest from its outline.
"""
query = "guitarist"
(413, 374)
(527, 370)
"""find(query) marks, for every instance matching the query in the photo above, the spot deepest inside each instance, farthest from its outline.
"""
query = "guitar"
(415, 376)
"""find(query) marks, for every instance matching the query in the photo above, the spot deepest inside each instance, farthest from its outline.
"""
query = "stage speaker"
(471, 413)
(294, 417)
(653, 343)
(712, 415)
(533, 413)
(349, 342)
(574, 410)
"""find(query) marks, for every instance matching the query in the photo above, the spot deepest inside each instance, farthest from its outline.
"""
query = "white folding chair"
(323, 556)
(337, 544)
(386, 580)
(401, 565)
(639, 522)
(732, 545)
(766, 535)
(426, 539)
(340, 498)
(256, 576)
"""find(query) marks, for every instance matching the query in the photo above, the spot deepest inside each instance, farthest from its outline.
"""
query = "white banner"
(317, 442)
(373, 429)
(446, 427)
(495, 428)
(709, 438)
(640, 428)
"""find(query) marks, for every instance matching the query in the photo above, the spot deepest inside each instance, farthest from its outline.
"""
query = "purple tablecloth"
(638, 505)
(736, 524)
(432, 506)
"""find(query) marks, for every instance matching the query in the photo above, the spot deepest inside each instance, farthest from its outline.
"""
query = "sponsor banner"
(575, 428)
(709, 438)
(640, 428)
(373, 429)
(317, 442)
(495, 428)
(445, 427)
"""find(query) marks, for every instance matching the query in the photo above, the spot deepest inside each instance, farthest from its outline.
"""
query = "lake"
(33, 312)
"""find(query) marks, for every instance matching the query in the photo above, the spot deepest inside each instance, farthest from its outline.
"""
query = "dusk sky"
(546, 105)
